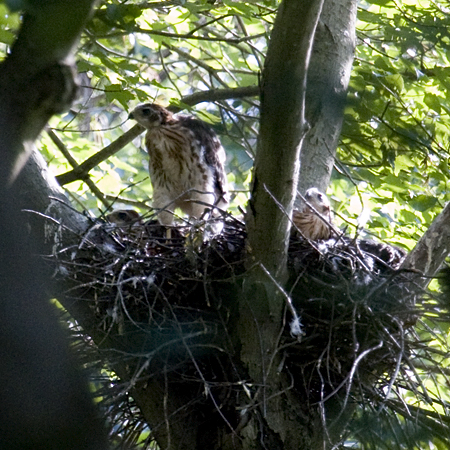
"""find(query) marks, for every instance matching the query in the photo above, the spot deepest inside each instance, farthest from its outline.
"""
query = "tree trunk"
(328, 78)
(282, 129)
(279, 416)
(44, 401)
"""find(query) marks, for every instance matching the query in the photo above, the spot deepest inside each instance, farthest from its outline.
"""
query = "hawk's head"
(122, 217)
(318, 200)
(150, 115)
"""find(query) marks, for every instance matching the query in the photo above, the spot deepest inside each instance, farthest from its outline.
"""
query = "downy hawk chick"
(311, 225)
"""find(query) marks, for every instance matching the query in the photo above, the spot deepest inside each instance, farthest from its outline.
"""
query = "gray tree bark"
(432, 249)
(328, 78)
(282, 129)
(274, 186)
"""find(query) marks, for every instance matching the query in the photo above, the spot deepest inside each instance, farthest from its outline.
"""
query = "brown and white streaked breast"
(308, 220)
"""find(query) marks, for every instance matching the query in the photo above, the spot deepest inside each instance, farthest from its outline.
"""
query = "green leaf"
(7, 37)
(207, 117)
(395, 82)
(394, 183)
(423, 202)
(116, 92)
(433, 102)
(403, 162)
(408, 216)
(380, 2)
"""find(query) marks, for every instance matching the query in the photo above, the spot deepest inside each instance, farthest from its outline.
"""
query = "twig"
(62, 148)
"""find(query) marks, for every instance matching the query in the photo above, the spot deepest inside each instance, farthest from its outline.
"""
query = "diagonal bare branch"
(83, 169)
(432, 249)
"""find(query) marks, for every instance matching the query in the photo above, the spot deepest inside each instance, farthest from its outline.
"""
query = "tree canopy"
(207, 57)
(390, 176)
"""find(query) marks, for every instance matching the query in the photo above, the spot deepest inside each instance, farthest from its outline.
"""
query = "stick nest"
(172, 301)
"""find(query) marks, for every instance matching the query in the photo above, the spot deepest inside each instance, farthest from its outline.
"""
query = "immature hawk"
(311, 225)
(186, 162)
(126, 223)
(124, 217)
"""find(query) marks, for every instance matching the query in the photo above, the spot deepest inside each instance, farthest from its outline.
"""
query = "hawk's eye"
(146, 111)
(320, 197)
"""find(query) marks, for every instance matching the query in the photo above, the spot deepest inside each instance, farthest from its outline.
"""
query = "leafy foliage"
(395, 137)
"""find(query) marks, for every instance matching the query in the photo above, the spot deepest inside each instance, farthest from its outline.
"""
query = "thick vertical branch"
(282, 130)
(44, 401)
(328, 78)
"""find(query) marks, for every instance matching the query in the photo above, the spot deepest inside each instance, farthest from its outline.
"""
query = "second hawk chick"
(124, 217)
(308, 221)
(186, 162)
